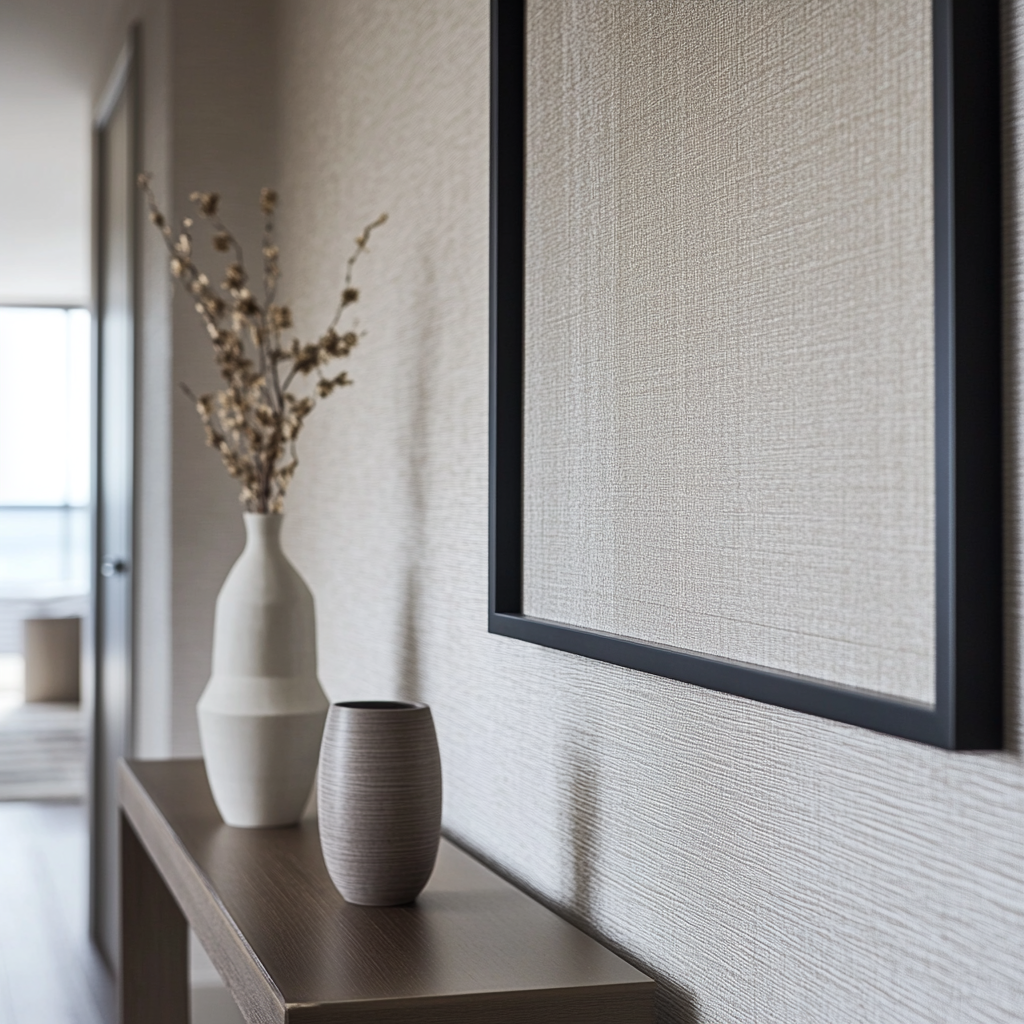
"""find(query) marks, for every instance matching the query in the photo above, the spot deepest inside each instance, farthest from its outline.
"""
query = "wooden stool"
(52, 659)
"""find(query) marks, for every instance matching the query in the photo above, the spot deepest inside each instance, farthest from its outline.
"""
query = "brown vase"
(379, 795)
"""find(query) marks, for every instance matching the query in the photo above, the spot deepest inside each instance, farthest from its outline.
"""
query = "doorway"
(44, 549)
(116, 203)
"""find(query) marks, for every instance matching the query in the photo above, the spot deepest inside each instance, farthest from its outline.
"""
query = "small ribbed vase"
(379, 797)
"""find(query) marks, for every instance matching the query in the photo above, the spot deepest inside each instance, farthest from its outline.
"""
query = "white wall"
(223, 96)
(49, 73)
(44, 209)
(764, 865)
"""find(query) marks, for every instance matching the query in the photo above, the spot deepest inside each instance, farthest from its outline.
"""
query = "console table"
(472, 948)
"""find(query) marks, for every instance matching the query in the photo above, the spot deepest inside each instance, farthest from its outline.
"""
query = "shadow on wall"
(409, 667)
(418, 384)
(673, 1003)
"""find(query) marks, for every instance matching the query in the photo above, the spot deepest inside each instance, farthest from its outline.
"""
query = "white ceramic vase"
(261, 716)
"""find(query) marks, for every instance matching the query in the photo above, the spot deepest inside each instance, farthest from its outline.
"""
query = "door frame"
(123, 82)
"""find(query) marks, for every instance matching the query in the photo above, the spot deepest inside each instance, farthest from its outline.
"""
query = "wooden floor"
(49, 973)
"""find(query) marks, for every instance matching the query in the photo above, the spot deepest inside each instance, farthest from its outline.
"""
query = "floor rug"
(42, 752)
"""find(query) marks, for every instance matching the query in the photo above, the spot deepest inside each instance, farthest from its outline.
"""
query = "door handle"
(113, 567)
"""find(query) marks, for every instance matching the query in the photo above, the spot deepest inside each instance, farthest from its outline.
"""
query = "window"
(44, 450)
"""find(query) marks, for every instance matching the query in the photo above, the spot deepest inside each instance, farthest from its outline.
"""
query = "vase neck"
(262, 530)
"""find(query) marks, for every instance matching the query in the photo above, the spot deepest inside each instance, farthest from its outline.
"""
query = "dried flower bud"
(337, 345)
(235, 276)
(280, 317)
(177, 267)
(246, 305)
(305, 359)
(206, 201)
(268, 200)
(221, 241)
(349, 295)
(187, 222)
(156, 217)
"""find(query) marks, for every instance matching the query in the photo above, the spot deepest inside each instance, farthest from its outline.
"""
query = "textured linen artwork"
(729, 391)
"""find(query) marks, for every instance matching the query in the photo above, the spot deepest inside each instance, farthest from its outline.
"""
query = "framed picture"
(746, 349)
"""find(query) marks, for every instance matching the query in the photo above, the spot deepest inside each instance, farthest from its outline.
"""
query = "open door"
(115, 320)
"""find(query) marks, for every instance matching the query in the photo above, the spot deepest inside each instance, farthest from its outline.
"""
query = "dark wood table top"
(472, 947)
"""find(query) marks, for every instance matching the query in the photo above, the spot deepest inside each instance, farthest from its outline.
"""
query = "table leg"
(153, 982)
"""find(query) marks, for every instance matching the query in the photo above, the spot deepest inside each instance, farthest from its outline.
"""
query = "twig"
(254, 420)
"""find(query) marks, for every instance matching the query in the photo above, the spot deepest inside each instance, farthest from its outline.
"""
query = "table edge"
(255, 991)
(196, 897)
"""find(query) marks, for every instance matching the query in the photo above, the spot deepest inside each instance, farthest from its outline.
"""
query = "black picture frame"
(967, 713)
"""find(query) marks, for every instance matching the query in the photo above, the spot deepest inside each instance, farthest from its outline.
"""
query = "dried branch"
(254, 420)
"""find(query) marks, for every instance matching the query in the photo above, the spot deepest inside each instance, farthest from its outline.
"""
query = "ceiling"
(52, 63)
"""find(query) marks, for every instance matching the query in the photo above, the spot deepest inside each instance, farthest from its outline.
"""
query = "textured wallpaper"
(729, 331)
(765, 866)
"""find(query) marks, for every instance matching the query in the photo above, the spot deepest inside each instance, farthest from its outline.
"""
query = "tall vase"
(262, 713)
(379, 800)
